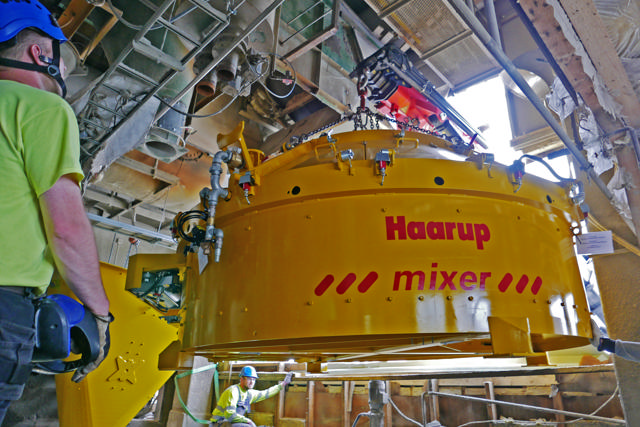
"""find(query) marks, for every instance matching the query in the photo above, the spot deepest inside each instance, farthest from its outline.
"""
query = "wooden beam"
(492, 409)
(434, 405)
(311, 415)
(347, 394)
(297, 101)
(559, 405)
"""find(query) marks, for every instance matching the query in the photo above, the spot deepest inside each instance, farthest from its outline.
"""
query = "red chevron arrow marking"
(324, 285)
(505, 282)
(346, 283)
(536, 285)
(367, 282)
(521, 285)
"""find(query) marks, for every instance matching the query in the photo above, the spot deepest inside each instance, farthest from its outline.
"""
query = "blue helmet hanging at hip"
(63, 326)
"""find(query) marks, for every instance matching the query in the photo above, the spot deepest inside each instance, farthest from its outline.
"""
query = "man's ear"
(35, 53)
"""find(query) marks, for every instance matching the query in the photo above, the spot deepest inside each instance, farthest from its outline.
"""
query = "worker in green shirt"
(236, 400)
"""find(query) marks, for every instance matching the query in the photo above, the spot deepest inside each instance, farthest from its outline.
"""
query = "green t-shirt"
(39, 143)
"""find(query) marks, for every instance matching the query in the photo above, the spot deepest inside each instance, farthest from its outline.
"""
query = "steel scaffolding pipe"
(533, 408)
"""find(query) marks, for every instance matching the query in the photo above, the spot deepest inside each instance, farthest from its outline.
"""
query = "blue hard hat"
(248, 371)
(17, 15)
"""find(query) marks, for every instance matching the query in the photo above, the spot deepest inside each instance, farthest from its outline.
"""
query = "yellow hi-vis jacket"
(234, 403)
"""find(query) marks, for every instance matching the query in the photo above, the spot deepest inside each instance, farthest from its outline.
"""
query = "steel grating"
(433, 29)
(464, 62)
(426, 23)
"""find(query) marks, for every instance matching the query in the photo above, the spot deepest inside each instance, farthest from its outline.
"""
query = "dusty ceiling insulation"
(622, 21)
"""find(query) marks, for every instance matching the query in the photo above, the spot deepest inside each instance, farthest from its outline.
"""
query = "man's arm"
(626, 349)
(72, 243)
(260, 395)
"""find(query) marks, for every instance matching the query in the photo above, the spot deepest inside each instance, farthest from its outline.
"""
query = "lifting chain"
(371, 121)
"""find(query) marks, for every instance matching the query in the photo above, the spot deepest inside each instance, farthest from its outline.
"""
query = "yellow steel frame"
(128, 378)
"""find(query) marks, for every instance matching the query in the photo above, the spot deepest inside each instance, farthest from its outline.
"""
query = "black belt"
(25, 291)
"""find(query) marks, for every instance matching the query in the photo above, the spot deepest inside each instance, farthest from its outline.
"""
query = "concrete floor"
(37, 407)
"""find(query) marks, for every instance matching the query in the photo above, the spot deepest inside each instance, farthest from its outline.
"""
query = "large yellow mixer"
(376, 245)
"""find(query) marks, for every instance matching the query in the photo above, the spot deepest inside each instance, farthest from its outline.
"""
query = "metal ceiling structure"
(138, 62)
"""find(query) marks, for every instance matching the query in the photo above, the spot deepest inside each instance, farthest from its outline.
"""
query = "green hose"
(196, 371)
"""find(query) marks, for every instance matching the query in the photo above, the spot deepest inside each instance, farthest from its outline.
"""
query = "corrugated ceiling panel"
(426, 24)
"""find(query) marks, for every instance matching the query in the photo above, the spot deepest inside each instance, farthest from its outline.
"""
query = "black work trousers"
(17, 340)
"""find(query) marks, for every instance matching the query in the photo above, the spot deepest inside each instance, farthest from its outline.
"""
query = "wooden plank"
(388, 410)
(278, 419)
(559, 405)
(538, 380)
(500, 391)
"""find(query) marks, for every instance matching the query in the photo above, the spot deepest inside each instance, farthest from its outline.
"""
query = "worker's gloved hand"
(597, 334)
(103, 334)
(287, 379)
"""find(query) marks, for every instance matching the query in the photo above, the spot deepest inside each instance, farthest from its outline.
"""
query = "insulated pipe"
(513, 72)
(534, 408)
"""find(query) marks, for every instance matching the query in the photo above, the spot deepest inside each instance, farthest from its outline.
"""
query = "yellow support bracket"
(252, 157)
(402, 139)
(510, 336)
